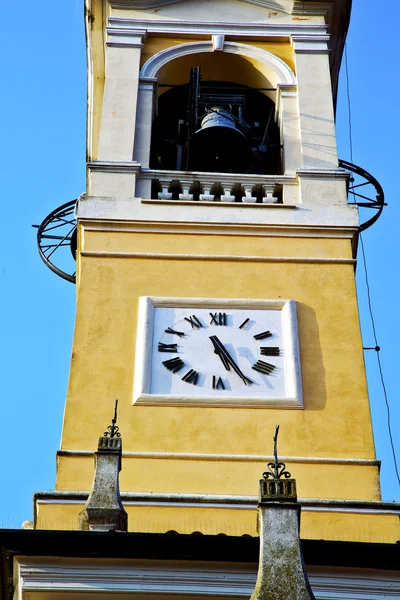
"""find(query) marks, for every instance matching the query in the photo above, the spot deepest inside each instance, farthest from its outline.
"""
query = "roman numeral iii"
(167, 347)
(191, 377)
(218, 318)
(174, 364)
(270, 350)
(263, 367)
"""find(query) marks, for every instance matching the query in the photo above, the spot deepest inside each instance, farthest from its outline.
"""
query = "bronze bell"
(219, 145)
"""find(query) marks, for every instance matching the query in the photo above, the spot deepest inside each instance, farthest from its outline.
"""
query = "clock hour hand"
(219, 351)
(227, 359)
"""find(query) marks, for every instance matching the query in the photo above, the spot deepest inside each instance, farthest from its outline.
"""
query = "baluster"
(185, 187)
(269, 198)
(165, 194)
(206, 195)
(227, 197)
(248, 190)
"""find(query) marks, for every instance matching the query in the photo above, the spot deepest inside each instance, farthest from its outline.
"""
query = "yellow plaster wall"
(223, 477)
(155, 44)
(349, 526)
(335, 421)
(245, 245)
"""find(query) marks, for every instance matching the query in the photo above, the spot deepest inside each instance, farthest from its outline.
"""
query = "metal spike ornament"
(113, 429)
(276, 469)
(277, 484)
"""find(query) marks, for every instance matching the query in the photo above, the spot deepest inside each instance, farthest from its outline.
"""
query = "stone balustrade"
(208, 187)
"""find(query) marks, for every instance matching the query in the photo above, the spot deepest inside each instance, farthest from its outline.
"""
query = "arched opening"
(215, 113)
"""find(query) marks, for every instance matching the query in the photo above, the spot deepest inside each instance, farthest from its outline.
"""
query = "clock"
(217, 352)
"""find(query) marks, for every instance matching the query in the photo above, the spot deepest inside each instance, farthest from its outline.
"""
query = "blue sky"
(43, 159)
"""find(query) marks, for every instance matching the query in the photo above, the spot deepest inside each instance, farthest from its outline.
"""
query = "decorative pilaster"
(315, 106)
(281, 571)
(103, 510)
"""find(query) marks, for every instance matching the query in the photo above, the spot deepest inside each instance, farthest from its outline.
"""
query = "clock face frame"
(217, 352)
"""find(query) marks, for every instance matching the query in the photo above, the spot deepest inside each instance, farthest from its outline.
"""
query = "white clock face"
(220, 353)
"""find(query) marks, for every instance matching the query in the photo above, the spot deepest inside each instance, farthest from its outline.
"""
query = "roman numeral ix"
(194, 322)
(263, 335)
(191, 377)
(174, 364)
(270, 350)
(167, 347)
(218, 318)
(263, 367)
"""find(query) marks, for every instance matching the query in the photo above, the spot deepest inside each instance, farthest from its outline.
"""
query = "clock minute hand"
(224, 354)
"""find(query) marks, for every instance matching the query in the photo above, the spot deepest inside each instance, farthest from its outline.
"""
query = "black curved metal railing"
(57, 234)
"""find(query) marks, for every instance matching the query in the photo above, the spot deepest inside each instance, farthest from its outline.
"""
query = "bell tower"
(215, 272)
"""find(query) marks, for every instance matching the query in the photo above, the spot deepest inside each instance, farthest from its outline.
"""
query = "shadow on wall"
(312, 366)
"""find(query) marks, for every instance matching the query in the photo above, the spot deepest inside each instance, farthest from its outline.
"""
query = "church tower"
(215, 258)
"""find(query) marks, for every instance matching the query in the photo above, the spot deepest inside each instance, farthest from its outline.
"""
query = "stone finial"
(103, 510)
(281, 571)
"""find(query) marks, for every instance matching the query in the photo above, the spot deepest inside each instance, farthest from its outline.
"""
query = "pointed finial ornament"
(281, 571)
(113, 429)
(277, 483)
(276, 469)
(103, 510)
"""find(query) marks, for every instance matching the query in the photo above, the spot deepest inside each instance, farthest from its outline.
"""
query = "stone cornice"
(250, 29)
(146, 4)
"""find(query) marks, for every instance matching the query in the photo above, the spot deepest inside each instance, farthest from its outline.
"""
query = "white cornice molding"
(155, 63)
(313, 8)
(244, 29)
(315, 460)
(184, 401)
(104, 166)
(306, 44)
(315, 173)
(146, 4)
(123, 37)
(223, 501)
(87, 576)
(253, 230)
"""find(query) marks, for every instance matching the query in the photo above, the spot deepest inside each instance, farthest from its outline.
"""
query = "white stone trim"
(218, 42)
(233, 457)
(293, 398)
(308, 44)
(219, 257)
(250, 29)
(156, 62)
(145, 4)
(228, 229)
(111, 166)
(314, 173)
(223, 501)
(186, 578)
(122, 37)
(254, 204)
